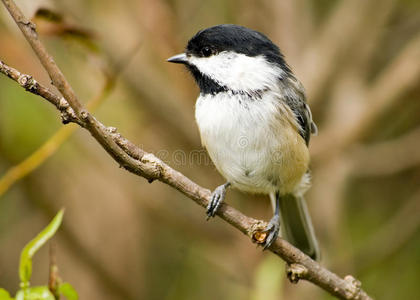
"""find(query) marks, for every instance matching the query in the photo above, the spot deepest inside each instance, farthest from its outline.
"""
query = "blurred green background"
(123, 238)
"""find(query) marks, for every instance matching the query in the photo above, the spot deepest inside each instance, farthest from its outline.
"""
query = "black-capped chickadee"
(255, 124)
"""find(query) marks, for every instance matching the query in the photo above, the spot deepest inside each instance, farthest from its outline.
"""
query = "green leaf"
(68, 291)
(25, 268)
(35, 293)
(4, 295)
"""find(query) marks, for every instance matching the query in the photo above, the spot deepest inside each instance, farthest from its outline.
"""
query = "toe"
(216, 199)
(212, 206)
(271, 238)
(272, 229)
(216, 207)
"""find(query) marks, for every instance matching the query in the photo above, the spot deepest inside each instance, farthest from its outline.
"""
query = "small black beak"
(178, 59)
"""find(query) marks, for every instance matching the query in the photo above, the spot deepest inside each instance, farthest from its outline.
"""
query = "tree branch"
(47, 149)
(139, 162)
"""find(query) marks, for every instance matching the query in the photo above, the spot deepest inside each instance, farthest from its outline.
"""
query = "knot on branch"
(128, 147)
(84, 114)
(67, 113)
(156, 166)
(31, 25)
(28, 83)
(353, 287)
(27, 23)
(111, 130)
(257, 232)
(295, 272)
(5, 69)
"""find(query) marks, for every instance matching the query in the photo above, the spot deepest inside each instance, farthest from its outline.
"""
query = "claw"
(273, 228)
(217, 198)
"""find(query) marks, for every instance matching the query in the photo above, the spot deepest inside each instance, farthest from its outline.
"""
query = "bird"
(255, 124)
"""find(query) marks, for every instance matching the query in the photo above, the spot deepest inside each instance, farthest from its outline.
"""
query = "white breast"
(253, 143)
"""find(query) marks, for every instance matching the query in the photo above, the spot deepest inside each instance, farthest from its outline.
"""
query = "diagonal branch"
(139, 162)
(147, 165)
(34, 160)
(37, 158)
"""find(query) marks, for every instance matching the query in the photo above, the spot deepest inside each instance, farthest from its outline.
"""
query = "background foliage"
(125, 238)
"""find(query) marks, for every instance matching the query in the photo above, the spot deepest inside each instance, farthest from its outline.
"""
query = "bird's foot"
(272, 229)
(217, 198)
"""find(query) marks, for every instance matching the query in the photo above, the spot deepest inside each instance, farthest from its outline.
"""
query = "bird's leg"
(216, 199)
(273, 226)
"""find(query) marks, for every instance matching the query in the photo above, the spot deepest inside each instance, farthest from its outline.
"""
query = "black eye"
(206, 51)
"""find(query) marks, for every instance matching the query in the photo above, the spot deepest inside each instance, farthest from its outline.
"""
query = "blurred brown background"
(124, 238)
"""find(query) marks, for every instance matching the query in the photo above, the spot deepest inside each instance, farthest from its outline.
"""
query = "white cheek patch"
(239, 72)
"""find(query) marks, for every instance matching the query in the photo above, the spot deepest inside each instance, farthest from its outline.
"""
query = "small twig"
(83, 254)
(32, 86)
(150, 167)
(54, 278)
(38, 157)
(29, 31)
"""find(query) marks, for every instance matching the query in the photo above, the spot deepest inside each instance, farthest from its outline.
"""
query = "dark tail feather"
(296, 225)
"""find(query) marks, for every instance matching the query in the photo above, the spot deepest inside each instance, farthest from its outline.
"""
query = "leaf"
(25, 268)
(35, 293)
(68, 291)
(19, 295)
(4, 295)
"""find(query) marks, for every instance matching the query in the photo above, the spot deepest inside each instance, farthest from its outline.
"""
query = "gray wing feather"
(294, 96)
